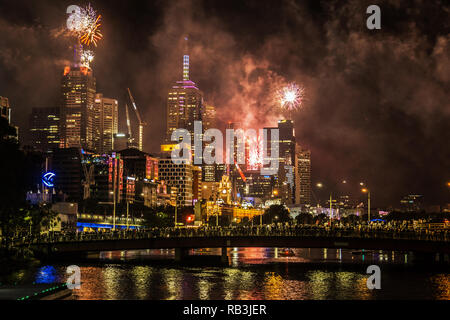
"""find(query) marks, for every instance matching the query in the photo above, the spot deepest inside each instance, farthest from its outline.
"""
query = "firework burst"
(86, 58)
(254, 153)
(92, 34)
(291, 97)
(85, 23)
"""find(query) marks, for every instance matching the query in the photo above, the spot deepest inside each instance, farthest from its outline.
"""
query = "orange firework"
(92, 34)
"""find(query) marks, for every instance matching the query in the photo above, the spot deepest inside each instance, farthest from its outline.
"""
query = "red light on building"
(84, 70)
(66, 71)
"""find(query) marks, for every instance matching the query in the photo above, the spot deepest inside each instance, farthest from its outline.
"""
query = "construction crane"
(240, 172)
(88, 170)
(130, 143)
(142, 124)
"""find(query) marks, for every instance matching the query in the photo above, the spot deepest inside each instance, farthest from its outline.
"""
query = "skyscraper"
(303, 177)
(285, 184)
(78, 88)
(208, 122)
(106, 123)
(184, 105)
(44, 129)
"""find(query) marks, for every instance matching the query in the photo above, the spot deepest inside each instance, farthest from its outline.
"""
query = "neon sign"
(47, 179)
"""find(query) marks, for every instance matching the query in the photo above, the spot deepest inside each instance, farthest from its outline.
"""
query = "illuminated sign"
(47, 179)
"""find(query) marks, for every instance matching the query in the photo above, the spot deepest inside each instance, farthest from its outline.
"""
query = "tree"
(160, 217)
(304, 218)
(276, 213)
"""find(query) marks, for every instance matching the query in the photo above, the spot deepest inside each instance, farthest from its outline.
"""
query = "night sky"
(377, 107)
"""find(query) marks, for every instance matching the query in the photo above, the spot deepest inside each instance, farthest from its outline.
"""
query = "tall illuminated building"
(78, 89)
(208, 122)
(303, 177)
(106, 123)
(44, 125)
(285, 178)
(184, 106)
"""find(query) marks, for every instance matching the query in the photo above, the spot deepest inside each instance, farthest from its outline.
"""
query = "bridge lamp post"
(176, 206)
(114, 208)
(128, 210)
(320, 186)
(366, 190)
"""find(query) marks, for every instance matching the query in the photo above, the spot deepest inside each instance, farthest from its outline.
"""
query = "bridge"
(291, 237)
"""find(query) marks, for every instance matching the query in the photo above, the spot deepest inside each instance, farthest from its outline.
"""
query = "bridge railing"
(267, 231)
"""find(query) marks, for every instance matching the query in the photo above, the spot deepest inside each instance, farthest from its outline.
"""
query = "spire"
(186, 60)
(78, 51)
(186, 67)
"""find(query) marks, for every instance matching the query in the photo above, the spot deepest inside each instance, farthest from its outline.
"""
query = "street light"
(320, 185)
(366, 190)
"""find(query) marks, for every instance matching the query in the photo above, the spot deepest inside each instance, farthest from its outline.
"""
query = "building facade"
(78, 123)
(106, 123)
(179, 175)
(303, 177)
(44, 124)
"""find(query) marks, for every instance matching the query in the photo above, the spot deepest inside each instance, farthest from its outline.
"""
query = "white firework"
(82, 20)
(86, 58)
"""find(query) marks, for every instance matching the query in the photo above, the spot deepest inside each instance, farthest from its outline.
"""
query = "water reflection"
(254, 274)
(46, 274)
(442, 283)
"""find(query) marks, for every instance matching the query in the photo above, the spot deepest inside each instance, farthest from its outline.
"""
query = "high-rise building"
(141, 170)
(66, 164)
(78, 123)
(5, 110)
(184, 106)
(44, 127)
(107, 123)
(208, 122)
(303, 177)
(107, 176)
(285, 184)
(179, 175)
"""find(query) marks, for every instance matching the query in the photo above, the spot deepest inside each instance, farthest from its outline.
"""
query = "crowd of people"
(391, 230)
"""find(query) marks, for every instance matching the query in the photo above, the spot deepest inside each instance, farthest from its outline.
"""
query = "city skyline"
(352, 140)
(225, 154)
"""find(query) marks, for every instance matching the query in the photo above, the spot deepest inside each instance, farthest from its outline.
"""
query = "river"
(253, 274)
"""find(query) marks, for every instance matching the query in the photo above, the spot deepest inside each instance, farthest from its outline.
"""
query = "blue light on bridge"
(81, 225)
(47, 179)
